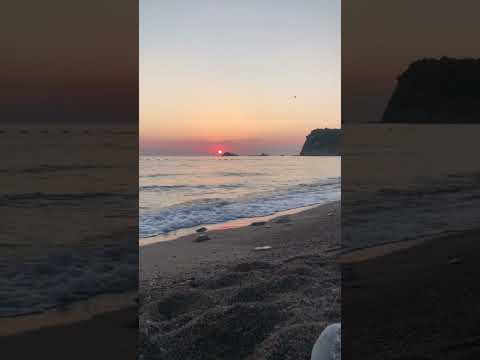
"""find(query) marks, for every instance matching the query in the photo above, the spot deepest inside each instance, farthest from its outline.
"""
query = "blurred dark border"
(410, 191)
(69, 198)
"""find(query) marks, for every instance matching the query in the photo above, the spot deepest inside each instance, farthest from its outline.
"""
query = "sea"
(178, 194)
(408, 182)
(69, 210)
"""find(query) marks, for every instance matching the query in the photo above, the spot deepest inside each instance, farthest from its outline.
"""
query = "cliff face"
(437, 91)
(322, 142)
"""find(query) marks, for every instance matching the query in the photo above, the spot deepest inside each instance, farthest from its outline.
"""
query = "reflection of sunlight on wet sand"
(224, 226)
(78, 311)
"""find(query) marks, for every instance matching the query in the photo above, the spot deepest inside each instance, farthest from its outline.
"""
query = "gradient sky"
(69, 61)
(225, 73)
(381, 38)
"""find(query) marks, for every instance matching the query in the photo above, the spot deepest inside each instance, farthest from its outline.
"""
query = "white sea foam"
(218, 210)
(63, 276)
(184, 192)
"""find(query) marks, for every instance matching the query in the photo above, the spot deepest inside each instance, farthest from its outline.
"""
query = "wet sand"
(419, 302)
(221, 299)
(373, 252)
(111, 335)
(78, 311)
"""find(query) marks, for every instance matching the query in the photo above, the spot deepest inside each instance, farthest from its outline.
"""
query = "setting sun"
(219, 152)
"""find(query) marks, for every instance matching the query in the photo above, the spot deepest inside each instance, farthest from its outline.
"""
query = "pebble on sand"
(258, 223)
(202, 238)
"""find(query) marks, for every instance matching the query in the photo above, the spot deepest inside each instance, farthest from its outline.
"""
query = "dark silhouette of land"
(442, 90)
(322, 142)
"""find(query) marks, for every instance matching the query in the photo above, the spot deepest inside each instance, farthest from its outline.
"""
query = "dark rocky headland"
(322, 142)
(442, 90)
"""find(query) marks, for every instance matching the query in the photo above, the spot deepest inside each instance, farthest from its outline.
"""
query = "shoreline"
(230, 240)
(75, 312)
(374, 251)
(371, 252)
(105, 303)
(107, 335)
(231, 224)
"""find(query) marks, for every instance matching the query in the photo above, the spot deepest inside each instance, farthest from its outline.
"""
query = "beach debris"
(258, 223)
(455, 261)
(202, 238)
(201, 230)
(328, 344)
(263, 248)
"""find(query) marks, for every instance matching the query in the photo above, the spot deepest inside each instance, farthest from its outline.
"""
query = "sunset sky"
(69, 62)
(246, 76)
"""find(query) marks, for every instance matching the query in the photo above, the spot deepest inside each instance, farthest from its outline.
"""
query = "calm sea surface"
(408, 181)
(184, 192)
(69, 214)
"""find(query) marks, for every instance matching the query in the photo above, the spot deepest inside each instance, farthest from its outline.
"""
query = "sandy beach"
(432, 295)
(221, 298)
(110, 335)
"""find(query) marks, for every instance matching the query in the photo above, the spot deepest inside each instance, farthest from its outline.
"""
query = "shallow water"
(408, 181)
(183, 192)
(69, 215)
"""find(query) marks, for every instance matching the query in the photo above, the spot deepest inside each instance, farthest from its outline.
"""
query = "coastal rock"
(442, 90)
(202, 238)
(201, 230)
(258, 223)
(322, 142)
(226, 153)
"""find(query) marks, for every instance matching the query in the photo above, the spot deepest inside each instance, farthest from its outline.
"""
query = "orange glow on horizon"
(255, 89)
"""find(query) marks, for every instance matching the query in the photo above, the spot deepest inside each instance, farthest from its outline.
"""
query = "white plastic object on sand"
(261, 248)
(328, 345)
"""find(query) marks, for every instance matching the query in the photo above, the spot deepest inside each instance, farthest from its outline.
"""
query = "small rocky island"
(445, 90)
(322, 142)
(226, 153)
